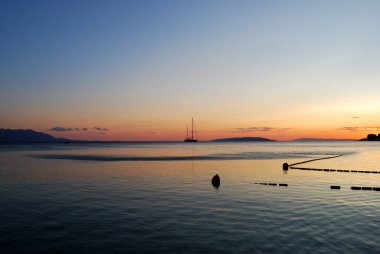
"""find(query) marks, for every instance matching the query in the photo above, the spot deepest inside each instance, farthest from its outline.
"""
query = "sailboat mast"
(190, 138)
(192, 128)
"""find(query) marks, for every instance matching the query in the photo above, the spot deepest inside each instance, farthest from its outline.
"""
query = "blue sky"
(151, 65)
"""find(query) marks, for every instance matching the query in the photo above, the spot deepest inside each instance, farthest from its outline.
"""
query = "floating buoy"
(356, 188)
(376, 188)
(215, 181)
(285, 166)
(354, 171)
(272, 184)
(283, 184)
(263, 183)
(366, 188)
(335, 187)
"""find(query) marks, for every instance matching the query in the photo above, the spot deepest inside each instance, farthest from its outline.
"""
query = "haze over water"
(138, 70)
(158, 198)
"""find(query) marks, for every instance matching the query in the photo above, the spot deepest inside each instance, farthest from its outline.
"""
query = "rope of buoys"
(286, 166)
(333, 187)
(317, 159)
(338, 170)
(337, 187)
(365, 188)
(274, 184)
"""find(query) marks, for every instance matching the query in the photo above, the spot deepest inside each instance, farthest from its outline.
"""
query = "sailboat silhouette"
(191, 138)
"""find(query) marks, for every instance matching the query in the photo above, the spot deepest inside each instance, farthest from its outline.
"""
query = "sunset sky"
(139, 70)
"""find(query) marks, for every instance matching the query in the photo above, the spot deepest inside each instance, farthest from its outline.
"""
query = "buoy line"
(318, 159)
(285, 166)
(338, 170)
(273, 184)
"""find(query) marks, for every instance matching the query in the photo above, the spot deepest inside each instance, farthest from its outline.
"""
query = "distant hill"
(319, 139)
(242, 139)
(27, 136)
(371, 137)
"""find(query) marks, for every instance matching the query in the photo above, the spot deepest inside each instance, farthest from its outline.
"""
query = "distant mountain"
(319, 139)
(242, 139)
(27, 136)
(371, 137)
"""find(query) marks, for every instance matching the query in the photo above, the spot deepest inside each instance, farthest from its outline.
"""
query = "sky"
(139, 70)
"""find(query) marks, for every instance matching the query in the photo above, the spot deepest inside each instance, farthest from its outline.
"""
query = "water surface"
(158, 198)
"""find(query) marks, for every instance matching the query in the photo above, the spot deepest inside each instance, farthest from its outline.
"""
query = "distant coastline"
(242, 139)
(28, 136)
(31, 136)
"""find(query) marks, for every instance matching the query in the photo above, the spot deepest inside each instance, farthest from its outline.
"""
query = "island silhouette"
(28, 136)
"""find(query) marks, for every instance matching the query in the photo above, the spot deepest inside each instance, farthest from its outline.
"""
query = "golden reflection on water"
(19, 166)
(131, 203)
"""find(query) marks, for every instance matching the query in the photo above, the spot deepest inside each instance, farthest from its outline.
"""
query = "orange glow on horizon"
(175, 135)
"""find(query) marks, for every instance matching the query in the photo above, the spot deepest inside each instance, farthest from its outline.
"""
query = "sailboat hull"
(190, 140)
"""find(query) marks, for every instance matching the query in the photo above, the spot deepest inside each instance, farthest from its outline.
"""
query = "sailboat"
(191, 138)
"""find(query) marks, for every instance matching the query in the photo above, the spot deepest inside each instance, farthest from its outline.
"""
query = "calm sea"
(158, 198)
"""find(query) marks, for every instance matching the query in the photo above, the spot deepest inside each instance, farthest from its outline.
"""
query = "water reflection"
(150, 206)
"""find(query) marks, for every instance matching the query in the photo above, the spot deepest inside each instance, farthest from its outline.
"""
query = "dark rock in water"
(272, 184)
(376, 188)
(215, 181)
(285, 166)
(335, 187)
(283, 184)
(356, 188)
(366, 188)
